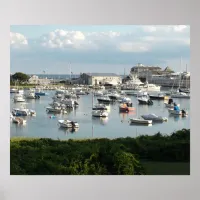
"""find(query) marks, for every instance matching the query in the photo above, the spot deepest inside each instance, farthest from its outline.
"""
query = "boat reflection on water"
(69, 130)
(176, 118)
(100, 120)
(135, 124)
(128, 114)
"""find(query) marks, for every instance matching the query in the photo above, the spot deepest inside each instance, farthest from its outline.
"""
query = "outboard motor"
(170, 101)
(73, 124)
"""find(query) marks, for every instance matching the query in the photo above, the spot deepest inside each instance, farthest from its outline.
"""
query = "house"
(100, 79)
(38, 81)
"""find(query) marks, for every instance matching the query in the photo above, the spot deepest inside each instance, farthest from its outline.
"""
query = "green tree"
(21, 77)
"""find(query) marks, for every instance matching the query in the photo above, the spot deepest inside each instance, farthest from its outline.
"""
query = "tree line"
(121, 156)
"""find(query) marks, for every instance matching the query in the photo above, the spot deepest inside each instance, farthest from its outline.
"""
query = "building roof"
(147, 67)
(102, 74)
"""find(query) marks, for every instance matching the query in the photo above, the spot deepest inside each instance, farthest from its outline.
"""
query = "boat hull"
(157, 97)
(140, 121)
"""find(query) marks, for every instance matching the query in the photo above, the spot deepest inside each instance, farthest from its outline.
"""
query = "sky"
(57, 48)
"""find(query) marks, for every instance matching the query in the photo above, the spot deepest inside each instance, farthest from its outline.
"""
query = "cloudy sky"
(34, 49)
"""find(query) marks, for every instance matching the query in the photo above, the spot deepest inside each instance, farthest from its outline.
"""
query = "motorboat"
(39, 92)
(80, 92)
(154, 118)
(68, 124)
(114, 96)
(59, 96)
(54, 109)
(140, 121)
(18, 120)
(13, 90)
(180, 95)
(99, 113)
(124, 99)
(19, 98)
(98, 93)
(104, 99)
(125, 108)
(184, 90)
(100, 107)
(30, 95)
(23, 112)
(158, 96)
(150, 87)
(20, 112)
(145, 100)
(21, 92)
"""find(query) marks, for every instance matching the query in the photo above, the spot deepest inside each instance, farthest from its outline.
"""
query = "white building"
(100, 79)
(38, 81)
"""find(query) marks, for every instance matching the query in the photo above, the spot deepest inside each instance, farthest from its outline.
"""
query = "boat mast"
(180, 74)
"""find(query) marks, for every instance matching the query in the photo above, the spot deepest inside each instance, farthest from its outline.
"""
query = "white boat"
(104, 99)
(145, 100)
(30, 95)
(178, 112)
(11, 116)
(80, 92)
(114, 96)
(21, 91)
(154, 118)
(18, 120)
(124, 99)
(159, 96)
(99, 113)
(180, 95)
(140, 121)
(54, 109)
(20, 112)
(100, 107)
(148, 87)
(19, 98)
(98, 94)
(68, 124)
(59, 95)
(13, 90)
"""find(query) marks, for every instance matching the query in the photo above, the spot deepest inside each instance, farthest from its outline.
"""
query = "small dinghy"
(68, 124)
(140, 121)
(154, 118)
(182, 113)
(18, 120)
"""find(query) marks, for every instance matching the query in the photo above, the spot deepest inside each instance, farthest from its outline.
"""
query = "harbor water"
(115, 125)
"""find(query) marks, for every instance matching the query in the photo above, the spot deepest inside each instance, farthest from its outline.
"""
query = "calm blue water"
(116, 125)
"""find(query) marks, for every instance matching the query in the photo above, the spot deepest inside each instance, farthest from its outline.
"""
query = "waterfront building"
(100, 79)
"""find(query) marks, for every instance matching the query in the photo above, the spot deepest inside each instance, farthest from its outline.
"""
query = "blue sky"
(53, 48)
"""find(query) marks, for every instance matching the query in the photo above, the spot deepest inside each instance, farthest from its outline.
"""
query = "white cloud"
(18, 40)
(141, 39)
(133, 47)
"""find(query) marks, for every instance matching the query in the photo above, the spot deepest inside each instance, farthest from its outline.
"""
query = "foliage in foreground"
(97, 156)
